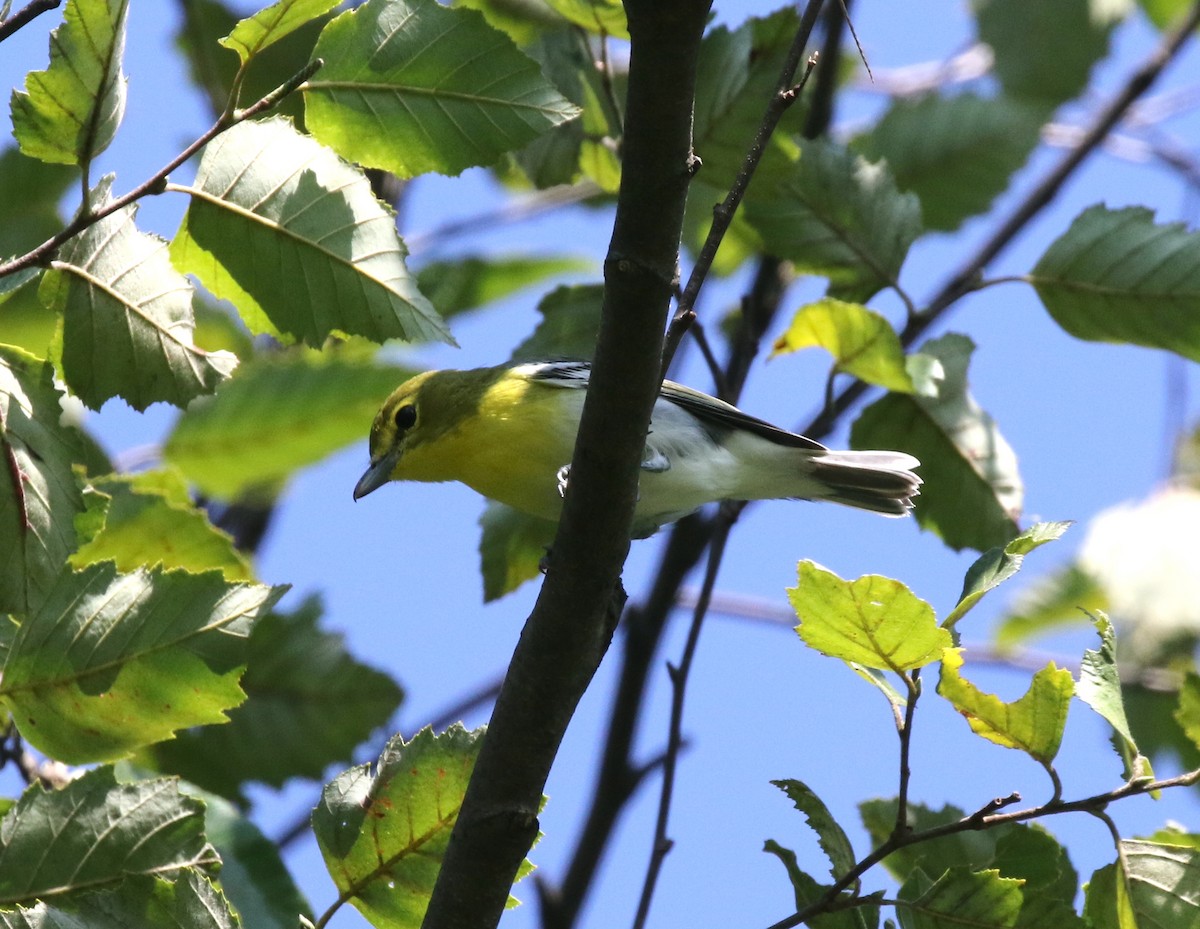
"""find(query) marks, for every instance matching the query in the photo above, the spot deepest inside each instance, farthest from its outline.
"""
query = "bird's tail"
(882, 482)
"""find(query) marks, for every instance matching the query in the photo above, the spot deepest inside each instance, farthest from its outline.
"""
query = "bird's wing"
(722, 416)
(714, 414)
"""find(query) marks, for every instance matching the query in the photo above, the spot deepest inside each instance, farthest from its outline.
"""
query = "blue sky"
(398, 572)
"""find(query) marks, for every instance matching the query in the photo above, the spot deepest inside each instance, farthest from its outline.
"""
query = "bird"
(508, 432)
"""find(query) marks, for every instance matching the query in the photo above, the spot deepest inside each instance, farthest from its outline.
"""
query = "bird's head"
(418, 415)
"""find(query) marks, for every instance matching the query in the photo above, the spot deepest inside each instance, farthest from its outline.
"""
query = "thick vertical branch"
(571, 624)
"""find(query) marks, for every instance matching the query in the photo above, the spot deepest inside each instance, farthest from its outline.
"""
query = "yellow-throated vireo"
(509, 433)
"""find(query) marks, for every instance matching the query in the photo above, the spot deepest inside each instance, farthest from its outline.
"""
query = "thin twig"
(1094, 805)
(26, 15)
(913, 683)
(787, 91)
(156, 183)
(679, 678)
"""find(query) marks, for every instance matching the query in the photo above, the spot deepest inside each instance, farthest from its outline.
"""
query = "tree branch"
(572, 622)
(1043, 193)
(24, 16)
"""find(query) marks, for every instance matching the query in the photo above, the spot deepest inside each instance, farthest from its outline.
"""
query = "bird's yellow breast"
(509, 448)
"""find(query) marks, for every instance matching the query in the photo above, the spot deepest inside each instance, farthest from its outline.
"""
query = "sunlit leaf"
(308, 705)
(981, 899)
(383, 830)
(296, 240)
(127, 317)
(1162, 882)
(112, 662)
(862, 342)
(1116, 276)
(69, 113)
(841, 217)
(1100, 688)
(292, 411)
(1034, 723)
(411, 86)
(39, 493)
(603, 16)
(972, 493)
(997, 565)
(144, 526)
(956, 153)
(95, 833)
(874, 621)
(269, 25)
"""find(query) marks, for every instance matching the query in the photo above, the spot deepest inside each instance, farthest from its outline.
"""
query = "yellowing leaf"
(873, 621)
(862, 342)
(1034, 723)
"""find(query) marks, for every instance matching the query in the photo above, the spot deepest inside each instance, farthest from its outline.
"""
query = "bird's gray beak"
(376, 476)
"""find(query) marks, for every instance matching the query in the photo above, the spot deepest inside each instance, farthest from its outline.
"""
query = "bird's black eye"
(405, 416)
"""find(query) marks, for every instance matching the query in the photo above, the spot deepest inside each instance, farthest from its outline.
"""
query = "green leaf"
(512, 548)
(212, 70)
(253, 875)
(874, 621)
(190, 901)
(1025, 852)
(113, 662)
(1162, 883)
(973, 493)
(1116, 276)
(145, 526)
(806, 891)
(69, 113)
(1187, 714)
(383, 833)
(1060, 598)
(1044, 51)
(839, 216)
(291, 410)
(266, 27)
(603, 16)
(39, 493)
(1100, 688)
(127, 317)
(862, 342)
(295, 239)
(31, 189)
(833, 839)
(308, 705)
(569, 326)
(411, 86)
(960, 897)
(94, 833)
(469, 283)
(1034, 723)
(957, 154)
(997, 565)
(736, 77)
